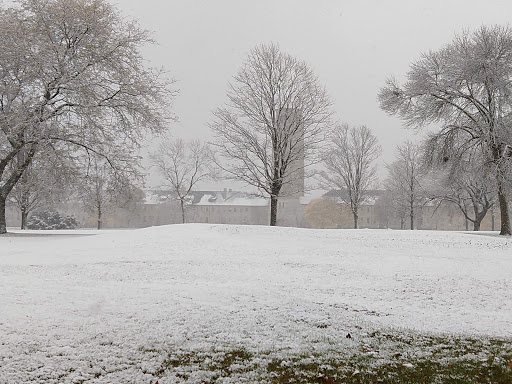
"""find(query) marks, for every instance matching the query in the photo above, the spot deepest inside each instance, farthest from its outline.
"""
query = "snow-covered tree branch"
(276, 116)
(403, 182)
(350, 164)
(182, 165)
(465, 87)
(71, 72)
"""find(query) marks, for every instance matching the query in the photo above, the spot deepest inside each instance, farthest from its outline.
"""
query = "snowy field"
(112, 307)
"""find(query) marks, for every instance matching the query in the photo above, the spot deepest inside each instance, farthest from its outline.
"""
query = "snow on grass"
(138, 305)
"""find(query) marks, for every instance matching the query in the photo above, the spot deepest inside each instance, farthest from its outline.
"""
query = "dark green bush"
(51, 220)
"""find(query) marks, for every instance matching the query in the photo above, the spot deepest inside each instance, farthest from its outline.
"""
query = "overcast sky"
(353, 46)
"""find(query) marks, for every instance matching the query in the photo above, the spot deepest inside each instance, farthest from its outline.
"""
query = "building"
(376, 211)
(227, 207)
(324, 210)
(292, 129)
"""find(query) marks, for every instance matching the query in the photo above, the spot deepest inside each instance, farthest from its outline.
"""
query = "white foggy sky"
(353, 46)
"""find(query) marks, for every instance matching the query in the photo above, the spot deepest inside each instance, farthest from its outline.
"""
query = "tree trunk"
(24, 216)
(25, 198)
(3, 224)
(505, 217)
(502, 198)
(11, 182)
(479, 216)
(356, 220)
(99, 218)
(412, 213)
(273, 210)
(182, 211)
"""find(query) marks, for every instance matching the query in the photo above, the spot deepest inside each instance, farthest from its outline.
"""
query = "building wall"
(445, 218)
(228, 214)
(290, 213)
(291, 122)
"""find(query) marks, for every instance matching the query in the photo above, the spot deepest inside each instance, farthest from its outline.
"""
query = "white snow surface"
(80, 305)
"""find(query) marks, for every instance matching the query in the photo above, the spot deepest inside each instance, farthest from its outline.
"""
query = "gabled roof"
(341, 195)
(157, 196)
(227, 198)
(207, 198)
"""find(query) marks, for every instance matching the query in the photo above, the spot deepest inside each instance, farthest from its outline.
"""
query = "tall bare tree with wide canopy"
(276, 116)
(464, 179)
(182, 164)
(71, 73)
(350, 164)
(466, 87)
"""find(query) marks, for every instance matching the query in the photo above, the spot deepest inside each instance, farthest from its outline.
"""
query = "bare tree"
(47, 181)
(182, 165)
(388, 208)
(71, 73)
(273, 122)
(103, 189)
(350, 165)
(464, 180)
(466, 87)
(403, 181)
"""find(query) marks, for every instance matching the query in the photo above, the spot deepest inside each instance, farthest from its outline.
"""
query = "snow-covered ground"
(73, 308)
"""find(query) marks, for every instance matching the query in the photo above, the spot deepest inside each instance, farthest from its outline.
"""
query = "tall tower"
(291, 128)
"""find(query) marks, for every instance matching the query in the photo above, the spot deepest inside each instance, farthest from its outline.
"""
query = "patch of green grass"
(225, 362)
(374, 358)
(219, 363)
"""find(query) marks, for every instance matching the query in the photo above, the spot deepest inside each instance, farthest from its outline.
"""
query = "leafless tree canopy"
(350, 164)
(462, 178)
(275, 117)
(50, 179)
(466, 87)
(403, 181)
(71, 73)
(102, 189)
(182, 165)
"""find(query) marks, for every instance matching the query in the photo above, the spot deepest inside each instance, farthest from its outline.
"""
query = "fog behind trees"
(78, 100)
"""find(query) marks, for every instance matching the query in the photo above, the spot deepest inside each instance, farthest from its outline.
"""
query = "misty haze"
(255, 192)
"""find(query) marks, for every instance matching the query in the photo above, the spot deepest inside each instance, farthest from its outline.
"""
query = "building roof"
(339, 196)
(226, 197)
(157, 196)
